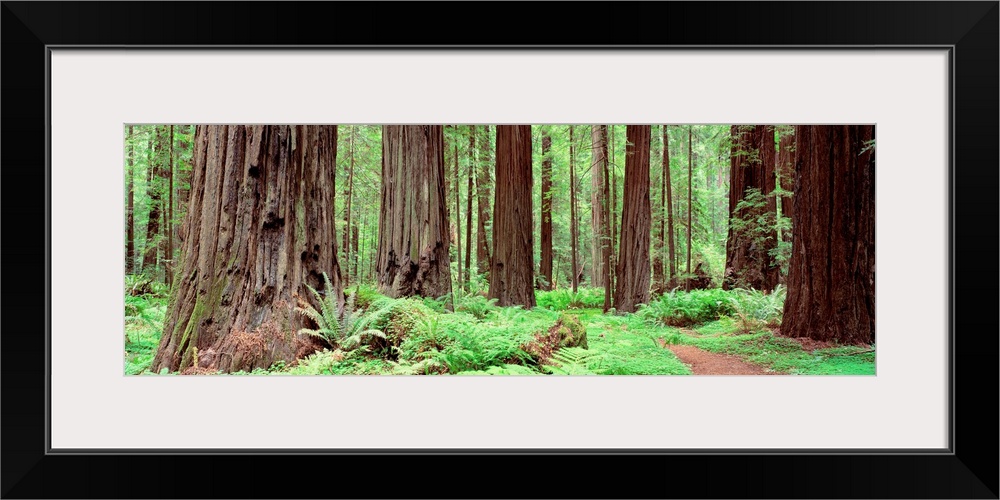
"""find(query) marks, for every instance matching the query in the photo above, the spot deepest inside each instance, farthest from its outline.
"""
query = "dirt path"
(703, 362)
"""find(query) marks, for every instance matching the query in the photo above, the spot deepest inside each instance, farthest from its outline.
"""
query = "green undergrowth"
(471, 335)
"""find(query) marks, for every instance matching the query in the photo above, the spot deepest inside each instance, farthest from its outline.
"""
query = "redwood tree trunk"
(511, 273)
(130, 224)
(671, 248)
(468, 203)
(347, 246)
(748, 264)
(659, 280)
(632, 275)
(458, 221)
(786, 172)
(169, 254)
(156, 173)
(260, 226)
(483, 202)
(545, 267)
(573, 229)
(598, 202)
(413, 222)
(831, 278)
(690, 207)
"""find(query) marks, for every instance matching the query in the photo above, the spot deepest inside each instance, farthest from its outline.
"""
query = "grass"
(480, 338)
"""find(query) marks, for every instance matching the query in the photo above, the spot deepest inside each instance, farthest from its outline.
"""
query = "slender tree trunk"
(687, 281)
(605, 227)
(157, 174)
(614, 206)
(468, 204)
(170, 213)
(573, 231)
(831, 279)
(598, 201)
(261, 227)
(413, 222)
(632, 287)
(545, 267)
(130, 224)
(659, 280)
(348, 255)
(458, 223)
(672, 249)
(511, 273)
(483, 202)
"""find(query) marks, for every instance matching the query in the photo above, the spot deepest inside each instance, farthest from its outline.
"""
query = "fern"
(572, 361)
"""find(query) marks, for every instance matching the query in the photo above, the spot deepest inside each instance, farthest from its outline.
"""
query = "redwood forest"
(551, 249)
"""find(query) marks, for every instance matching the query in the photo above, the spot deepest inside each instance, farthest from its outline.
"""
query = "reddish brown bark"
(483, 198)
(786, 171)
(260, 226)
(468, 204)
(573, 223)
(632, 274)
(831, 279)
(511, 273)
(545, 266)
(599, 202)
(748, 262)
(671, 248)
(130, 209)
(413, 223)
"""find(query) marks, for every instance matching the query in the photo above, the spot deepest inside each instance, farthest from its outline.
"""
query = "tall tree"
(130, 223)
(671, 248)
(483, 204)
(687, 281)
(349, 197)
(831, 279)
(468, 198)
(170, 213)
(606, 234)
(613, 212)
(260, 227)
(413, 222)
(632, 287)
(458, 220)
(545, 267)
(157, 174)
(786, 175)
(598, 202)
(511, 272)
(748, 262)
(573, 225)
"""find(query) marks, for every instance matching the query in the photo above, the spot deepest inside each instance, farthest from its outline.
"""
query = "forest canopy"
(499, 249)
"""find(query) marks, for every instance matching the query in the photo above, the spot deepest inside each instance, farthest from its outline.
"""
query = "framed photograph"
(302, 198)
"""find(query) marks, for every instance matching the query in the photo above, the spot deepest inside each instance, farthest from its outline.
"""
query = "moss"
(572, 333)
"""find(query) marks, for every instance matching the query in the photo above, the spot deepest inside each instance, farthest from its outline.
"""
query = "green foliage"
(477, 305)
(755, 310)
(572, 361)
(331, 327)
(364, 294)
(564, 299)
(679, 308)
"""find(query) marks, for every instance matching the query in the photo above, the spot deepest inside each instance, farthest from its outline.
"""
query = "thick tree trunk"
(130, 223)
(632, 287)
(748, 262)
(413, 222)
(511, 273)
(260, 227)
(545, 267)
(598, 202)
(786, 173)
(671, 247)
(831, 279)
(468, 204)
(483, 202)
(573, 225)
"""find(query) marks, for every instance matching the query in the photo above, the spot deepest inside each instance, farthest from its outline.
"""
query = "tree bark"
(831, 279)
(170, 213)
(348, 254)
(468, 204)
(748, 263)
(613, 213)
(483, 202)
(130, 223)
(687, 280)
(659, 222)
(413, 222)
(545, 267)
(606, 228)
(157, 174)
(671, 247)
(786, 173)
(511, 273)
(260, 227)
(598, 202)
(573, 230)
(632, 287)
(458, 222)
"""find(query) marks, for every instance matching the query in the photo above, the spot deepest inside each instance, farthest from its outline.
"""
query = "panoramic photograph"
(479, 249)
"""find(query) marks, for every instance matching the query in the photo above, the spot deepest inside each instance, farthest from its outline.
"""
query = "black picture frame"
(968, 469)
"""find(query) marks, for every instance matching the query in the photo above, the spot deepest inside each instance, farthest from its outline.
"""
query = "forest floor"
(480, 338)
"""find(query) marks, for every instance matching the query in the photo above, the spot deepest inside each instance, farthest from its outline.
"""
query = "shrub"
(755, 310)
(687, 308)
(563, 299)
